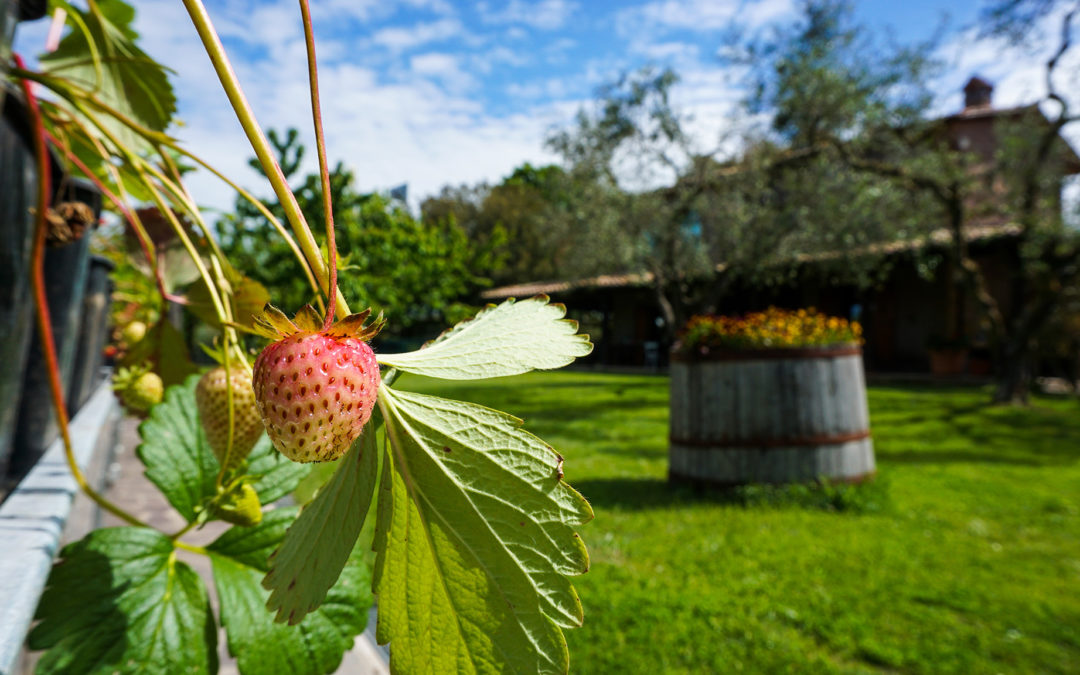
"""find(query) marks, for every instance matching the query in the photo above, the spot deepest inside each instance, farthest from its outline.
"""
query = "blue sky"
(434, 92)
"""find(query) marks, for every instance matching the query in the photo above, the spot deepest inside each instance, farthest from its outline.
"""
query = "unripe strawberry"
(139, 389)
(240, 506)
(133, 333)
(212, 399)
(315, 389)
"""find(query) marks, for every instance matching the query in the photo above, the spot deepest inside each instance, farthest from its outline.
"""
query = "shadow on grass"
(987, 435)
(634, 494)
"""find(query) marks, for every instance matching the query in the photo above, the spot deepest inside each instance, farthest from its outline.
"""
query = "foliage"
(473, 518)
(470, 505)
(773, 328)
(474, 521)
(411, 270)
(93, 612)
(955, 560)
(119, 598)
(538, 223)
(121, 75)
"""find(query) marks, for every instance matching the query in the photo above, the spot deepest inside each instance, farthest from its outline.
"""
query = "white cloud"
(400, 38)
(545, 14)
(669, 52)
(369, 10)
(443, 67)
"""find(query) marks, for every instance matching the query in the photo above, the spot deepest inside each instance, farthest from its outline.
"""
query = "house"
(902, 317)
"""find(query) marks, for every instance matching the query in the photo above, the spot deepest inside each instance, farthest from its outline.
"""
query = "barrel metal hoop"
(771, 442)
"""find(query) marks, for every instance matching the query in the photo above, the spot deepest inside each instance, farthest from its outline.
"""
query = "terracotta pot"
(948, 361)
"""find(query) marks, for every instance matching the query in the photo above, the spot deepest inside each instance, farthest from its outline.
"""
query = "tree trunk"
(1014, 375)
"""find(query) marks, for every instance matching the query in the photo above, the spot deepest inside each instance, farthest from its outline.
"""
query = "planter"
(66, 269)
(770, 416)
(18, 193)
(948, 361)
(18, 187)
(980, 362)
(90, 354)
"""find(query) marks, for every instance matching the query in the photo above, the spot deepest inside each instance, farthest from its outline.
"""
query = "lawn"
(964, 556)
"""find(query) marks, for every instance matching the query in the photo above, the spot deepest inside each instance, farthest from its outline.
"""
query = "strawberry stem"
(216, 51)
(324, 172)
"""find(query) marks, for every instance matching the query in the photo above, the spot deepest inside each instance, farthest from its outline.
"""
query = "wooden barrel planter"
(770, 416)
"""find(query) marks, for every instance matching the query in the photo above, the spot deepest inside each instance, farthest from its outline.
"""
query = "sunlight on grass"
(965, 557)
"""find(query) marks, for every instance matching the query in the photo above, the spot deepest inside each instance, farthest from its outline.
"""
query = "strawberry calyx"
(274, 324)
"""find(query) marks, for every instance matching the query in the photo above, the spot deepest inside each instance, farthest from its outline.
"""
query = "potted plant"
(769, 397)
(948, 354)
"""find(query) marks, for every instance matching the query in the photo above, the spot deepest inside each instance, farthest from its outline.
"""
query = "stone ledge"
(32, 521)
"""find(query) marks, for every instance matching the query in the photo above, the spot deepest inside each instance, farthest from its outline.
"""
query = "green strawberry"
(138, 388)
(211, 398)
(133, 333)
(239, 506)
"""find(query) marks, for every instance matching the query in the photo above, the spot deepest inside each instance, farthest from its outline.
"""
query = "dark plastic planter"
(90, 356)
(18, 190)
(66, 269)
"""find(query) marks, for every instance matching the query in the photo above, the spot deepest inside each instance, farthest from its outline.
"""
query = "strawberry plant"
(474, 531)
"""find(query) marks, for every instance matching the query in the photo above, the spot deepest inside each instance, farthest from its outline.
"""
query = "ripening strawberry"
(212, 400)
(315, 388)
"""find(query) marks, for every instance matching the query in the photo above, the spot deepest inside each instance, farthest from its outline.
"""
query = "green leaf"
(252, 546)
(239, 557)
(128, 80)
(175, 452)
(319, 542)
(120, 601)
(277, 474)
(475, 538)
(320, 475)
(509, 339)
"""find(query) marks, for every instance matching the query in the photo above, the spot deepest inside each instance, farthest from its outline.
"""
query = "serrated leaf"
(119, 601)
(277, 474)
(318, 544)
(130, 81)
(239, 557)
(175, 452)
(509, 339)
(474, 539)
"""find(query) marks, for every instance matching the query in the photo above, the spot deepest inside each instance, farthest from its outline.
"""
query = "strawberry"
(239, 505)
(211, 397)
(315, 388)
(133, 333)
(138, 388)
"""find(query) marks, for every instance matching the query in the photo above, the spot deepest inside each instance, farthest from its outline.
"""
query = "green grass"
(964, 557)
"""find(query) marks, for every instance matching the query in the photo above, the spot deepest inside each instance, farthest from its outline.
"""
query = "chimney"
(977, 94)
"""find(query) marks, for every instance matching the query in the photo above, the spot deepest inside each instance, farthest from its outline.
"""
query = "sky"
(434, 92)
